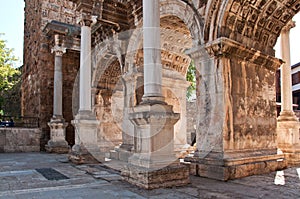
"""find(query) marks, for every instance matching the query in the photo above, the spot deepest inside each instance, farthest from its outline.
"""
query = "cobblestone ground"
(30, 175)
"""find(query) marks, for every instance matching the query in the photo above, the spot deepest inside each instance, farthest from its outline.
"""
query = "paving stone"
(22, 181)
(108, 177)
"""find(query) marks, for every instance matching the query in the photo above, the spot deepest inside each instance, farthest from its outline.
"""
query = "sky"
(12, 25)
(294, 42)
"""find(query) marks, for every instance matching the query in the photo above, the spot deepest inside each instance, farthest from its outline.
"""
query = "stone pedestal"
(57, 142)
(288, 141)
(86, 148)
(154, 163)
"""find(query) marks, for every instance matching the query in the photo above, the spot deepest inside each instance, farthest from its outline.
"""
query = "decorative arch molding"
(256, 24)
(174, 8)
(104, 56)
(187, 14)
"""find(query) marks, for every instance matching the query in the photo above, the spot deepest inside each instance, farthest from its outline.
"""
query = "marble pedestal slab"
(57, 142)
(154, 164)
(86, 148)
(288, 141)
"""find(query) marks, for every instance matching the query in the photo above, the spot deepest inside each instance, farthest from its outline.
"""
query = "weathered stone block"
(151, 179)
(227, 169)
(19, 140)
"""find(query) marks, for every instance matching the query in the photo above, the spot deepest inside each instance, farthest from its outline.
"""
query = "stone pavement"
(43, 176)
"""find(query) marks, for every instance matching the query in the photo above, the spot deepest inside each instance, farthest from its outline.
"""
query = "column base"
(287, 116)
(123, 153)
(233, 168)
(288, 140)
(60, 147)
(173, 175)
(57, 143)
(182, 151)
(151, 100)
(86, 149)
(81, 155)
(153, 161)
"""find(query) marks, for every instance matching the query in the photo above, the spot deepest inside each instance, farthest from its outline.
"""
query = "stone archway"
(108, 96)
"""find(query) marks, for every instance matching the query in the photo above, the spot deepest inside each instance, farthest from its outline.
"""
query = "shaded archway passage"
(108, 106)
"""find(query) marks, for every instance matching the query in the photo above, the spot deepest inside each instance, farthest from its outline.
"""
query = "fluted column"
(287, 112)
(152, 52)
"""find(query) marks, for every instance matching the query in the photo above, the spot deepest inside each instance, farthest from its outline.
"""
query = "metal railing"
(19, 122)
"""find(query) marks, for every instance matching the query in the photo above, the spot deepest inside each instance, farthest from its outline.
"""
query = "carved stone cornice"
(56, 27)
(84, 6)
(224, 47)
(68, 34)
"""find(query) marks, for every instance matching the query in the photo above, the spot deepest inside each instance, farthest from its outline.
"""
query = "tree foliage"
(9, 76)
(191, 77)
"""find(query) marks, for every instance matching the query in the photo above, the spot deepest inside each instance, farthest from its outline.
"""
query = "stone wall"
(19, 140)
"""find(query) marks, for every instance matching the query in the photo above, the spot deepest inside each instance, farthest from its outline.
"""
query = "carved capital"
(198, 53)
(86, 20)
(58, 50)
(291, 24)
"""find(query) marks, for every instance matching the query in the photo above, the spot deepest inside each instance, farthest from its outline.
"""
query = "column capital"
(291, 24)
(85, 8)
(58, 50)
(86, 20)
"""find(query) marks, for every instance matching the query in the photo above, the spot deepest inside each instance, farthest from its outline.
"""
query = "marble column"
(153, 164)
(57, 142)
(152, 52)
(287, 112)
(86, 148)
(288, 124)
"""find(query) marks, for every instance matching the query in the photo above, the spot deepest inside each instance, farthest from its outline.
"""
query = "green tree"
(9, 76)
(191, 77)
